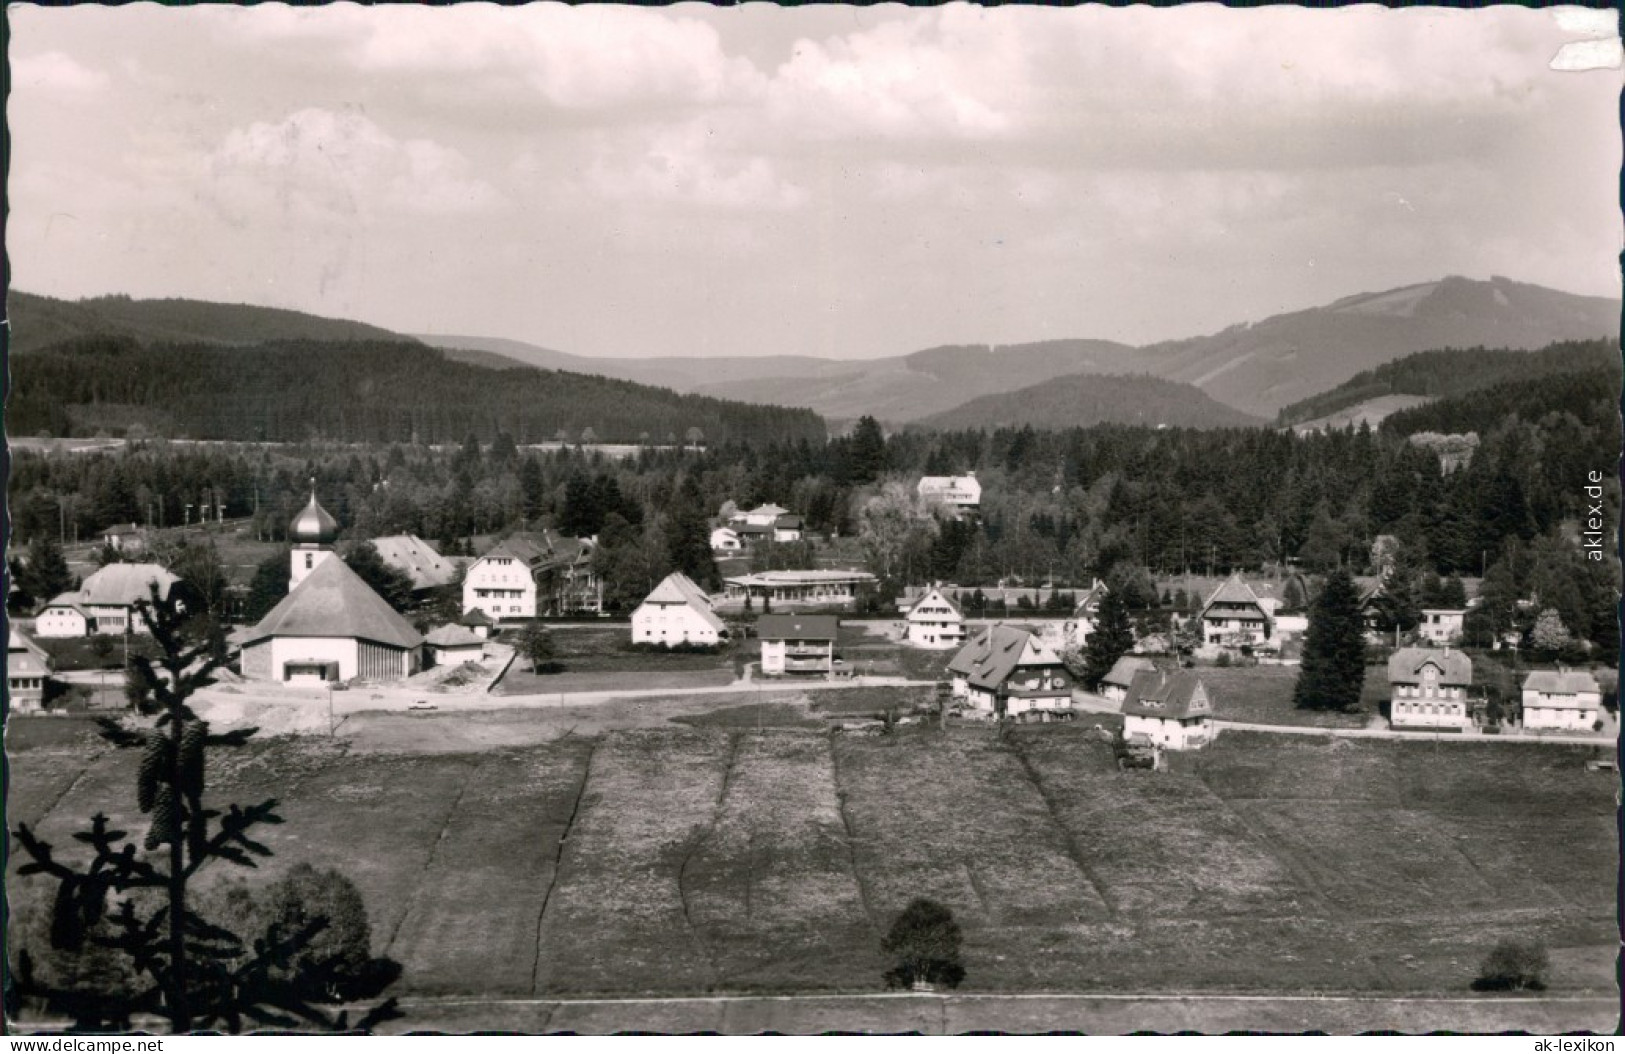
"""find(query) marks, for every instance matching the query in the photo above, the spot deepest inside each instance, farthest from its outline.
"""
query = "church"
(332, 626)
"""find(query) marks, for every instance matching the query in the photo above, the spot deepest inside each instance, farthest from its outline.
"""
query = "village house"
(797, 589)
(934, 621)
(124, 538)
(787, 528)
(27, 669)
(477, 622)
(530, 574)
(1442, 625)
(1115, 684)
(1087, 603)
(105, 602)
(1168, 710)
(1006, 671)
(677, 612)
(1428, 688)
(798, 644)
(963, 494)
(761, 516)
(1234, 616)
(453, 645)
(726, 540)
(332, 626)
(1561, 699)
(417, 560)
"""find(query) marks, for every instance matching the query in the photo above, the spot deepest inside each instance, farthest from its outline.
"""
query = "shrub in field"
(1513, 965)
(925, 941)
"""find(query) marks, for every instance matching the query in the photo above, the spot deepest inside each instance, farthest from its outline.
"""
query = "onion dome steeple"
(314, 525)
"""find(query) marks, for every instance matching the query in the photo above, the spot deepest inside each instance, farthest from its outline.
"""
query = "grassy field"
(1263, 695)
(663, 861)
(600, 658)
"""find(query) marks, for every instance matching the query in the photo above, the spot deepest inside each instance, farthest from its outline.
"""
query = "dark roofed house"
(1006, 671)
(1115, 684)
(1170, 710)
(801, 644)
(453, 645)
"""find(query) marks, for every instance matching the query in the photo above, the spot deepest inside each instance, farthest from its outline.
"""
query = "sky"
(834, 181)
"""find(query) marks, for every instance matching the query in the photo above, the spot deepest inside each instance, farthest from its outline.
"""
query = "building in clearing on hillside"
(726, 540)
(1168, 710)
(1561, 699)
(331, 626)
(960, 493)
(798, 644)
(934, 621)
(1442, 625)
(27, 668)
(1428, 688)
(105, 602)
(677, 612)
(1006, 671)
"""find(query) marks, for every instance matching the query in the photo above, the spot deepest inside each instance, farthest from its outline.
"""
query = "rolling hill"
(1081, 400)
(40, 321)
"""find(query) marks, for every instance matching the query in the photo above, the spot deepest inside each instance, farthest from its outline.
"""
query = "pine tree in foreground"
(178, 966)
(1333, 672)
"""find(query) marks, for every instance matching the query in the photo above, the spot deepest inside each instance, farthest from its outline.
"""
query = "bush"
(925, 939)
(1513, 965)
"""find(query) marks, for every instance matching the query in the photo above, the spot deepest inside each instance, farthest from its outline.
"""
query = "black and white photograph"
(597, 519)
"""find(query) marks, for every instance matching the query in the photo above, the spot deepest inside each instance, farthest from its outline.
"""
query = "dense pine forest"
(1457, 371)
(356, 392)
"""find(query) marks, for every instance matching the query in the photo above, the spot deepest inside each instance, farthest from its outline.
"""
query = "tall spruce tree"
(1333, 670)
(688, 536)
(183, 968)
(1110, 640)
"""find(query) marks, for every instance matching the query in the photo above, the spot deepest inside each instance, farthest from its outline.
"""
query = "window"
(308, 559)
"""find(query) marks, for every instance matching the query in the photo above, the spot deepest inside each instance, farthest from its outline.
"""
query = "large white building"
(105, 602)
(1561, 699)
(1006, 671)
(331, 626)
(1428, 688)
(934, 621)
(961, 493)
(526, 575)
(677, 612)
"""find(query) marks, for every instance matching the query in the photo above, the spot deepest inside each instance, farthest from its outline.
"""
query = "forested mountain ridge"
(1585, 398)
(1455, 371)
(356, 392)
(1081, 400)
(37, 322)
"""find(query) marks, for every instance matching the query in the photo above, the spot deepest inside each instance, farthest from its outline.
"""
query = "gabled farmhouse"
(105, 603)
(1561, 699)
(332, 626)
(934, 621)
(798, 644)
(1170, 710)
(1115, 684)
(1235, 616)
(27, 667)
(677, 612)
(1428, 688)
(1006, 671)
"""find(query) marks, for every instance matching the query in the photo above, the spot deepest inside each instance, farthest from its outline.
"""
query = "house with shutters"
(798, 644)
(1006, 671)
(934, 621)
(27, 669)
(332, 626)
(1561, 699)
(531, 574)
(677, 612)
(1428, 689)
(1235, 616)
(1168, 710)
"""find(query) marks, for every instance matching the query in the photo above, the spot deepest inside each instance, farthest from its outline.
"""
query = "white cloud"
(318, 165)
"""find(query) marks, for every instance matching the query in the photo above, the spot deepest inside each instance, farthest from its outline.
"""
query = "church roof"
(333, 601)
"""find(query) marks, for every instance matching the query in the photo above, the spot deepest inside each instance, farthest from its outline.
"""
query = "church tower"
(313, 533)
